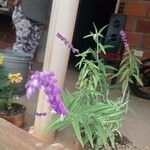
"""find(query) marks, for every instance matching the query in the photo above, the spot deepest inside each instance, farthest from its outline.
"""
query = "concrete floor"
(136, 126)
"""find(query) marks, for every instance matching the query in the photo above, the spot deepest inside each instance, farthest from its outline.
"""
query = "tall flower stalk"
(67, 43)
(129, 68)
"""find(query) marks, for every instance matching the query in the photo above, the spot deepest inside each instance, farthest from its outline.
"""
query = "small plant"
(94, 116)
(129, 68)
(8, 84)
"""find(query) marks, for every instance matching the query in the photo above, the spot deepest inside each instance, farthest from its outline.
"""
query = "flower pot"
(17, 63)
(18, 117)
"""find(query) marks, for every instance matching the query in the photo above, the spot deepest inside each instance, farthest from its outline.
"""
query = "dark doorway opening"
(7, 34)
(89, 12)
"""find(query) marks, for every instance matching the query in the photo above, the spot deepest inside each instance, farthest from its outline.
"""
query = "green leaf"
(101, 134)
(88, 131)
(107, 46)
(102, 29)
(102, 48)
(95, 27)
(76, 128)
(123, 67)
(111, 137)
(111, 67)
(90, 35)
(124, 75)
(124, 60)
(124, 86)
(138, 79)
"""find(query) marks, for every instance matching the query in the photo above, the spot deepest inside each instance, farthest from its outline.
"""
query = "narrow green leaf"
(124, 75)
(102, 29)
(88, 131)
(101, 48)
(76, 128)
(138, 79)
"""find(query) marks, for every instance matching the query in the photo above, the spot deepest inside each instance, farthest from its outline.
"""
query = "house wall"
(138, 24)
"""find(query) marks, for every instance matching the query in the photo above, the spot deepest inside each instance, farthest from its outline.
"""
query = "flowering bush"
(8, 83)
(93, 114)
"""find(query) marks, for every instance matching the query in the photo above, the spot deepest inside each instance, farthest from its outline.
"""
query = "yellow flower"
(15, 77)
(1, 59)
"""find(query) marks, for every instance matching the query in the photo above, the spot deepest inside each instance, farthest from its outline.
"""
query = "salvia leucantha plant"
(94, 116)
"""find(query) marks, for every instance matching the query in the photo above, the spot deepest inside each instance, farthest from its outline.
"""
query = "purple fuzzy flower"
(67, 43)
(46, 79)
(36, 83)
(124, 38)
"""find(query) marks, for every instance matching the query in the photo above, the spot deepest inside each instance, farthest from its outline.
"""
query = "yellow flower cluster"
(1, 60)
(15, 77)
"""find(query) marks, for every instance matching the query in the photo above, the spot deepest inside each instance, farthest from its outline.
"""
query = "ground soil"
(121, 144)
(124, 144)
(15, 110)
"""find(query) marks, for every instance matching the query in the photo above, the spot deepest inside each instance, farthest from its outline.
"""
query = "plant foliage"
(94, 116)
(8, 84)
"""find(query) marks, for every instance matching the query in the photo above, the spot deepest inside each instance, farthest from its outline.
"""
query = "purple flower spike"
(124, 38)
(47, 80)
(67, 43)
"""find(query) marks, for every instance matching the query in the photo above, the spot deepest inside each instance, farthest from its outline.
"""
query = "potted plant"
(17, 62)
(9, 110)
(94, 115)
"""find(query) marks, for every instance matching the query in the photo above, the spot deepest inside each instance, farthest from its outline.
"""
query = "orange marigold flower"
(15, 77)
(1, 59)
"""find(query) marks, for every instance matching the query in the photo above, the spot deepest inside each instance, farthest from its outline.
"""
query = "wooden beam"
(117, 6)
(62, 20)
(14, 138)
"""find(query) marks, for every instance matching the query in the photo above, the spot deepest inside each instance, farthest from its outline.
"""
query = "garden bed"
(121, 144)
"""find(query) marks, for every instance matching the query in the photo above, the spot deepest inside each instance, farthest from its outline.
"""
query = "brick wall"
(138, 24)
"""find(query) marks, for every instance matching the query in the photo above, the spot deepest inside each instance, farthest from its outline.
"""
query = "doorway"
(89, 12)
(7, 34)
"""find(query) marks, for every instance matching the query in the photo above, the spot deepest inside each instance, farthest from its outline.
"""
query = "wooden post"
(14, 138)
(63, 17)
(117, 6)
